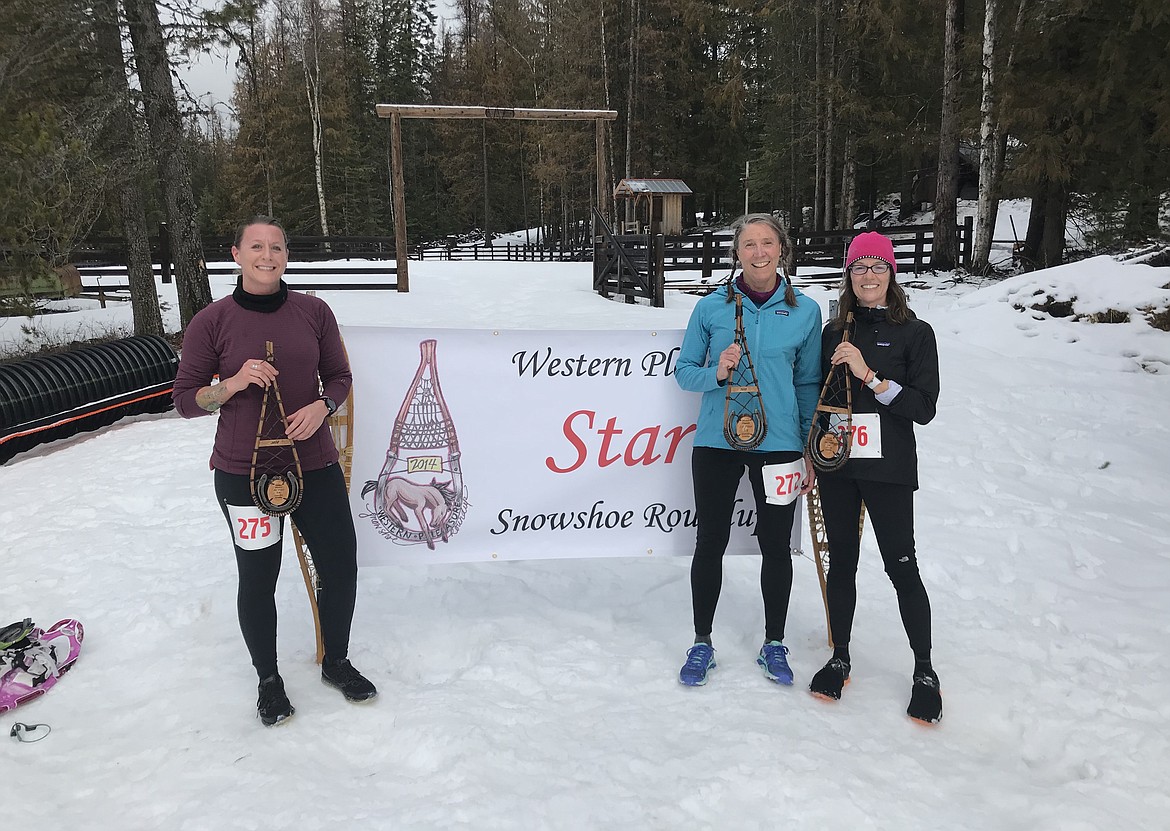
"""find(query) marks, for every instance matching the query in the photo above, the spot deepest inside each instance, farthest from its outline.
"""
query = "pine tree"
(944, 252)
(166, 131)
(52, 172)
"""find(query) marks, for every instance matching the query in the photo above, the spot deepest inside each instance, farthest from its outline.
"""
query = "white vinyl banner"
(480, 444)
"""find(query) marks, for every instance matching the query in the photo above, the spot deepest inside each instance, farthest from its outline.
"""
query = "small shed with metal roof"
(653, 206)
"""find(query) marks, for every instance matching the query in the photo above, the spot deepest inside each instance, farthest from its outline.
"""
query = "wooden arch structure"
(397, 112)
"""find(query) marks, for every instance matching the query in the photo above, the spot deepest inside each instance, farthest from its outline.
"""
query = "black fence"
(631, 265)
(699, 262)
(511, 252)
(112, 283)
(815, 253)
(102, 263)
(111, 251)
(627, 264)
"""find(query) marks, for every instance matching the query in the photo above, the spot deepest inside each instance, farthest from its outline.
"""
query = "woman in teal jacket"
(782, 331)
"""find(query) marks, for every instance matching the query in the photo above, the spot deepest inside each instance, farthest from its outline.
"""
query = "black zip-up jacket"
(905, 353)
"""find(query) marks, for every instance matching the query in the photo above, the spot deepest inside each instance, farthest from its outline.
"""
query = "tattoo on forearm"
(211, 398)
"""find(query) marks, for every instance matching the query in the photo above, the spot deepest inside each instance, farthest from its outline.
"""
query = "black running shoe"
(343, 676)
(830, 679)
(273, 706)
(925, 698)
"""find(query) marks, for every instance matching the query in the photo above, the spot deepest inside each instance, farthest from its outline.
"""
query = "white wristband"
(874, 381)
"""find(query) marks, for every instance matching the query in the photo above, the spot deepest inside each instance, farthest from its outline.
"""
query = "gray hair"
(785, 250)
(772, 222)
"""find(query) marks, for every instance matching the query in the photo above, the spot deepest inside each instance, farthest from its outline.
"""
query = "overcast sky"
(210, 77)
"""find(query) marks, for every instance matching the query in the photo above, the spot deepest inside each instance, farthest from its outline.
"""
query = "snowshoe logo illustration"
(419, 497)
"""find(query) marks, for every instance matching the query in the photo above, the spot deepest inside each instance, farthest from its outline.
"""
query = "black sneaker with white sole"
(353, 685)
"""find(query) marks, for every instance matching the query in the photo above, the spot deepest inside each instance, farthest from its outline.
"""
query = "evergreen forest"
(829, 106)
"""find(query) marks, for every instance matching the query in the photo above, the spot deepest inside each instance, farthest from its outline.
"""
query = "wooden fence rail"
(111, 251)
(817, 258)
(710, 253)
(113, 282)
(512, 252)
(632, 265)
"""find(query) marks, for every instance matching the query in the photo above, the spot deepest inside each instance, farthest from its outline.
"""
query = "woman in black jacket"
(892, 361)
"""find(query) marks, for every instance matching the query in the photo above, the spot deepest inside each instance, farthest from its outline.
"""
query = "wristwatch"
(330, 404)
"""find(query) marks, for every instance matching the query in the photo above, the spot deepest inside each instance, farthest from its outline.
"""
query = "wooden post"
(658, 272)
(708, 255)
(602, 197)
(397, 181)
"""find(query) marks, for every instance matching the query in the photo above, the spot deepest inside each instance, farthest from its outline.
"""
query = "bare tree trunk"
(310, 61)
(827, 166)
(170, 155)
(1036, 218)
(944, 254)
(564, 218)
(1055, 219)
(124, 143)
(612, 207)
(632, 87)
(998, 139)
(906, 196)
(988, 143)
(486, 222)
(830, 73)
(1044, 243)
(796, 204)
(523, 186)
(848, 209)
(819, 116)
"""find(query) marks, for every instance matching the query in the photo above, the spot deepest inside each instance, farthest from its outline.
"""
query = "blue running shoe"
(773, 659)
(700, 659)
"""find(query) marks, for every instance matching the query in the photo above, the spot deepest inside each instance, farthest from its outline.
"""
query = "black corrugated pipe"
(55, 396)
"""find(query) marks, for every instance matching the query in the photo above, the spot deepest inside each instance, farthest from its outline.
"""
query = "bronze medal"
(831, 436)
(744, 422)
(275, 474)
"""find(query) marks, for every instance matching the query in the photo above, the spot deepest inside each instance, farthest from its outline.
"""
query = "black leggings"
(890, 509)
(324, 520)
(716, 474)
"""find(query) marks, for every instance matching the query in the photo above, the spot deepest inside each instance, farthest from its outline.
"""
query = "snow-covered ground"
(544, 694)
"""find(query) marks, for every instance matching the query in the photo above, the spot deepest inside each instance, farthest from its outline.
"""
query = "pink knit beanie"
(872, 244)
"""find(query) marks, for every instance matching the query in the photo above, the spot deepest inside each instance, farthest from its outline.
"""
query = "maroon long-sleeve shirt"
(306, 343)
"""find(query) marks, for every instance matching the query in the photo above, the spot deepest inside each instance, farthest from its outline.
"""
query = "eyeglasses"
(876, 268)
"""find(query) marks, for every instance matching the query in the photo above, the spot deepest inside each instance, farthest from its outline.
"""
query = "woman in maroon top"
(228, 339)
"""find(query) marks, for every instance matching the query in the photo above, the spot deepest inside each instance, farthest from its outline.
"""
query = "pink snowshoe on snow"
(32, 659)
